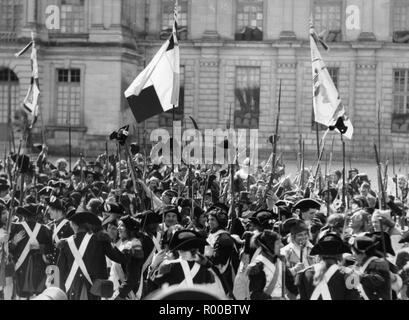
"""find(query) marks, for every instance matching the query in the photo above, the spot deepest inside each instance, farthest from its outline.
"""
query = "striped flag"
(30, 101)
(156, 89)
(328, 107)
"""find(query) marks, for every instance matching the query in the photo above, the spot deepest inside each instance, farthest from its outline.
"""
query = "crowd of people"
(130, 229)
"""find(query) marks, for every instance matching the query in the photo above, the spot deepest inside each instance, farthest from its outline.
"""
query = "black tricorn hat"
(30, 210)
(284, 211)
(149, 217)
(267, 240)
(23, 162)
(363, 243)
(330, 244)
(405, 238)
(56, 203)
(220, 206)
(82, 216)
(46, 191)
(135, 148)
(306, 204)
(113, 208)
(377, 236)
(131, 223)
(294, 226)
(261, 217)
(185, 240)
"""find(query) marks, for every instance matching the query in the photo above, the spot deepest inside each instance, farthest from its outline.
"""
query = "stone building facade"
(234, 53)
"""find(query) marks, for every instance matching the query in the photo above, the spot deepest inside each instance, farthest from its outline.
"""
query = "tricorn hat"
(306, 204)
(330, 244)
(185, 240)
(82, 216)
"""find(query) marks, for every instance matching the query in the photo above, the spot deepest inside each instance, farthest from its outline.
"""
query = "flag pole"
(69, 139)
(379, 131)
(172, 141)
(343, 173)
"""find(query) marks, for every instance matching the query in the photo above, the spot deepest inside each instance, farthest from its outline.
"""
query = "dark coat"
(30, 277)
(64, 233)
(225, 249)
(172, 273)
(337, 286)
(376, 280)
(258, 282)
(94, 259)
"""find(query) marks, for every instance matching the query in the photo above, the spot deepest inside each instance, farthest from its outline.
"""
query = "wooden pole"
(343, 173)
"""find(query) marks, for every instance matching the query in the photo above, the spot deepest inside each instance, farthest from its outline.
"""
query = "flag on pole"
(156, 89)
(30, 101)
(328, 107)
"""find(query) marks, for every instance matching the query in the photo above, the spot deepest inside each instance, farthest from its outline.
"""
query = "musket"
(382, 200)
(395, 175)
(274, 141)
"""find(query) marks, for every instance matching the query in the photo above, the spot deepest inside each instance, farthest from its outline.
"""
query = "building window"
(249, 20)
(166, 119)
(400, 18)
(11, 13)
(129, 14)
(247, 94)
(73, 16)
(400, 116)
(334, 74)
(9, 95)
(328, 17)
(69, 97)
(168, 8)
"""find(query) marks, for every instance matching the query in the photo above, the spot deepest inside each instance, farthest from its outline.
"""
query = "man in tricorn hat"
(29, 251)
(326, 280)
(191, 269)
(151, 237)
(59, 227)
(82, 260)
(297, 251)
(269, 277)
(222, 250)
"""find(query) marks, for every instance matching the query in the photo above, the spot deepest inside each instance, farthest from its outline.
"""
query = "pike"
(3, 260)
(395, 175)
(302, 164)
(274, 141)
(382, 200)
(343, 173)
(231, 167)
(107, 160)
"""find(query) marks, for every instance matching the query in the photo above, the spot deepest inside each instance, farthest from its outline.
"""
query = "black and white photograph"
(223, 151)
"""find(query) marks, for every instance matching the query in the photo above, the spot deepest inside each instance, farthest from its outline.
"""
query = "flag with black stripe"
(156, 89)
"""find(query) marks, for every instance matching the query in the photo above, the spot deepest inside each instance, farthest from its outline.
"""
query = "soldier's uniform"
(82, 259)
(293, 252)
(59, 230)
(28, 253)
(222, 251)
(151, 246)
(336, 282)
(269, 277)
(187, 272)
(374, 273)
(333, 283)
